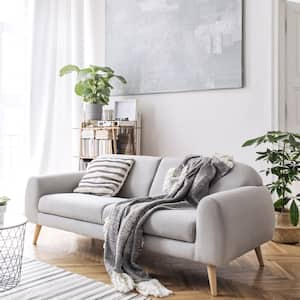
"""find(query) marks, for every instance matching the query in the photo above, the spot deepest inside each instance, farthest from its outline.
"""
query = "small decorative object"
(282, 155)
(3, 205)
(125, 110)
(94, 86)
(107, 114)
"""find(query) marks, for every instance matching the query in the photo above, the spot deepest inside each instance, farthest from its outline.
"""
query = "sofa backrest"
(240, 175)
(140, 178)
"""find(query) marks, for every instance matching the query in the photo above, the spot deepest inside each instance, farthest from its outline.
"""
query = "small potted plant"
(281, 152)
(3, 205)
(94, 86)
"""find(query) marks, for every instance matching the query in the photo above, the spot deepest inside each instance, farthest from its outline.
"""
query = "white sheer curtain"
(37, 107)
(14, 53)
(64, 32)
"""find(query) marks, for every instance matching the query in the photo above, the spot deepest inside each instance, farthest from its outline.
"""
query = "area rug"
(41, 281)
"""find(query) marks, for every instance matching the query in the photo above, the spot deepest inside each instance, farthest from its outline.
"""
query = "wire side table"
(12, 234)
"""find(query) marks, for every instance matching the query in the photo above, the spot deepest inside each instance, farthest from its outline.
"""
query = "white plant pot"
(2, 213)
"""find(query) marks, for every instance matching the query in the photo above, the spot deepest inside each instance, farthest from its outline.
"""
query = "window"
(13, 81)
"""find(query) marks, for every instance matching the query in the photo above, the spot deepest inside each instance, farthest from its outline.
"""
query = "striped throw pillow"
(105, 176)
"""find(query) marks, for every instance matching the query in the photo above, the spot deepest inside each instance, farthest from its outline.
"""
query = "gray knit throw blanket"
(124, 226)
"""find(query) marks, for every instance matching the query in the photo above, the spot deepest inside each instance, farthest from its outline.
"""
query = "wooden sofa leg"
(259, 256)
(36, 233)
(212, 277)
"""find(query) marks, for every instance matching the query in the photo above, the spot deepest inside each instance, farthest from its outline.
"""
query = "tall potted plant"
(94, 86)
(281, 152)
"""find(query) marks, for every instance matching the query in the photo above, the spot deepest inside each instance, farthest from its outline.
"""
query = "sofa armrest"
(232, 223)
(44, 185)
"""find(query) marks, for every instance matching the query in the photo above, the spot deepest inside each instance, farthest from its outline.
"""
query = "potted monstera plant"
(94, 85)
(281, 152)
(3, 204)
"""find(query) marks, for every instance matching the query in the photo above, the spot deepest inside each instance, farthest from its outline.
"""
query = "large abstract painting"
(175, 45)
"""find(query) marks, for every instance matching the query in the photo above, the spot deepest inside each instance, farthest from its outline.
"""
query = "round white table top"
(12, 220)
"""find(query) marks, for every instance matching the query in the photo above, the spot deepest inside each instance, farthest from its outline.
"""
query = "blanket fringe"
(152, 288)
(122, 282)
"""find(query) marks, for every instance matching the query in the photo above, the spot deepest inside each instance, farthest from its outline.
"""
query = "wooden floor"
(242, 279)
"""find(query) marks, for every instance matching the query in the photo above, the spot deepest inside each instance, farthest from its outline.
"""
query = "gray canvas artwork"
(174, 45)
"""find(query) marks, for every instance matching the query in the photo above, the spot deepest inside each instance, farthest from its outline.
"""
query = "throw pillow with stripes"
(105, 176)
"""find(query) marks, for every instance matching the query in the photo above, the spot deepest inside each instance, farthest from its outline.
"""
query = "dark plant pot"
(92, 111)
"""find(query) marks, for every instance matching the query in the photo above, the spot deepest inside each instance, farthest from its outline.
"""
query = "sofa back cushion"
(140, 178)
(240, 175)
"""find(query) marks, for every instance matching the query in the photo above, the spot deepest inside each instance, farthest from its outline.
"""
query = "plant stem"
(283, 185)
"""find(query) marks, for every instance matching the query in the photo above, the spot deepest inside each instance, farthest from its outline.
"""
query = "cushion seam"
(154, 175)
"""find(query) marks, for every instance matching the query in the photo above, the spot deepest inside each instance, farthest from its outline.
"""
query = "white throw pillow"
(105, 176)
(169, 181)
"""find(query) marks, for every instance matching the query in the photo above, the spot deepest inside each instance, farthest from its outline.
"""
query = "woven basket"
(285, 232)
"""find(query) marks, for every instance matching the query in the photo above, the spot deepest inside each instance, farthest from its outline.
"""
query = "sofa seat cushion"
(176, 224)
(83, 207)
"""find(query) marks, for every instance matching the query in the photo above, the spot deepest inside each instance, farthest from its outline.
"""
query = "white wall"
(215, 121)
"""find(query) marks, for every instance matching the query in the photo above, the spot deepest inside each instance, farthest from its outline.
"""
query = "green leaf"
(261, 157)
(121, 78)
(4, 200)
(271, 138)
(251, 142)
(294, 213)
(261, 152)
(274, 132)
(84, 73)
(79, 88)
(281, 203)
(281, 136)
(261, 140)
(102, 69)
(292, 140)
(68, 69)
(296, 135)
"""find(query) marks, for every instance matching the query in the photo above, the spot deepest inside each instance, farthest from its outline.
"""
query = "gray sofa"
(236, 217)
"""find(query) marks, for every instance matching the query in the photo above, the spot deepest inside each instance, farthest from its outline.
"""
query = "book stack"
(87, 143)
(103, 142)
